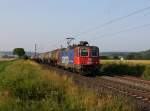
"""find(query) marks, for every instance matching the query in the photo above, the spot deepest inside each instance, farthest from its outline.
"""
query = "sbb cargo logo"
(65, 60)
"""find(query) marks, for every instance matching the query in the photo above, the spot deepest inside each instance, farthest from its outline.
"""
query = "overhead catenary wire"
(108, 23)
(113, 21)
(125, 30)
(58, 44)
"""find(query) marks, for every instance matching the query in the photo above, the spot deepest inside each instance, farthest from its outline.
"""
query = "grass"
(138, 68)
(26, 86)
(4, 64)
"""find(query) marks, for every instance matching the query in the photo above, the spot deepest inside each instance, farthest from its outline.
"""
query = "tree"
(116, 57)
(104, 57)
(130, 57)
(19, 52)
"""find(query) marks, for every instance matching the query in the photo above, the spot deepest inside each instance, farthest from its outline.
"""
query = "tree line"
(143, 55)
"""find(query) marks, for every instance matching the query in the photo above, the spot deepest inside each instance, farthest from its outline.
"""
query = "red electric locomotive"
(86, 58)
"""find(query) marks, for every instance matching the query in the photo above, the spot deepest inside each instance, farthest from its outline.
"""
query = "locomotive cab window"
(84, 52)
(94, 53)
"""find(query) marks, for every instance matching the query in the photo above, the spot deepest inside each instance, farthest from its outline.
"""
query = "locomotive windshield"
(84, 52)
(94, 53)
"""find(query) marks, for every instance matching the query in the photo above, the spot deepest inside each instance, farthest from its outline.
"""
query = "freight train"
(81, 58)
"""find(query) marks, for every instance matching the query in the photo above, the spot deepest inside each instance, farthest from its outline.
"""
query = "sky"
(47, 23)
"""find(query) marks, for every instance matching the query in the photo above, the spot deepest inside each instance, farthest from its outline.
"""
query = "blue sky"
(48, 22)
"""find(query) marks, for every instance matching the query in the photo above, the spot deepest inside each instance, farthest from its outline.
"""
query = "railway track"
(126, 89)
(138, 95)
(135, 79)
(143, 85)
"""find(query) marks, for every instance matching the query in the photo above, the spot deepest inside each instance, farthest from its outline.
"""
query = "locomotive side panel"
(67, 57)
(64, 57)
(76, 56)
(71, 56)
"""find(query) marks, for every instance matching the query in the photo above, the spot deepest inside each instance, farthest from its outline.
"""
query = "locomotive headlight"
(90, 61)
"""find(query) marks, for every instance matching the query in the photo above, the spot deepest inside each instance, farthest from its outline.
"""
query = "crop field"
(138, 62)
(27, 86)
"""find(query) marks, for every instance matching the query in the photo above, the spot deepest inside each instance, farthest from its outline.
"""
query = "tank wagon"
(81, 58)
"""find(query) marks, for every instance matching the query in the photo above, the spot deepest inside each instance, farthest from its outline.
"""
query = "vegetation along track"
(138, 95)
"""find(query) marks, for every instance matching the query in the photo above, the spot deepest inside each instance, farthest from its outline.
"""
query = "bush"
(25, 57)
(146, 74)
(122, 69)
(137, 70)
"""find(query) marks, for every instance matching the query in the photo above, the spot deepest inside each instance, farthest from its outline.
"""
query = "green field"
(26, 86)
